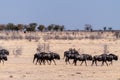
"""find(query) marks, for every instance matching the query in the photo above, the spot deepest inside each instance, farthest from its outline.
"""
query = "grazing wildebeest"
(70, 55)
(3, 58)
(104, 58)
(43, 57)
(83, 58)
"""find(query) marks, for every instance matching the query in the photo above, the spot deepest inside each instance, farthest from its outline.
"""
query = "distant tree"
(88, 27)
(50, 27)
(20, 27)
(31, 27)
(56, 28)
(41, 27)
(105, 28)
(62, 28)
(117, 34)
(10, 26)
(109, 28)
(2, 26)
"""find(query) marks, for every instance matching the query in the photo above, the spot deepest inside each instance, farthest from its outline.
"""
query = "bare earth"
(22, 68)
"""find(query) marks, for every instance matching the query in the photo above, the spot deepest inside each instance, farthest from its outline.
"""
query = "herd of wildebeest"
(71, 54)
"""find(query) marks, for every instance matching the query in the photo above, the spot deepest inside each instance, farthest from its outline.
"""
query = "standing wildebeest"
(43, 57)
(83, 58)
(3, 55)
(71, 54)
(104, 58)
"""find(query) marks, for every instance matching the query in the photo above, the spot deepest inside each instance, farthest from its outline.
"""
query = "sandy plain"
(21, 67)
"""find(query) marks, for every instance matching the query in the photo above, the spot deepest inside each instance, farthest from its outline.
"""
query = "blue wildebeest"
(70, 54)
(3, 55)
(83, 58)
(43, 57)
(104, 58)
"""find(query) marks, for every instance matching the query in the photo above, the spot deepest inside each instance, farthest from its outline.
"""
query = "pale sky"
(74, 14)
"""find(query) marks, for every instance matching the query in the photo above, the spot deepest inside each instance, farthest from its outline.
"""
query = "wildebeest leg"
(37, 61)
(75, 62)
(50, 62)
(111, 62)
(92, 62)
(40, 61)
(96, 63)
(81, 62)
(106, 63)
(85, 63)
(33, 59)
(54, 61)
(3, 61)
(66, 60)
(102, 63)
(44, 61)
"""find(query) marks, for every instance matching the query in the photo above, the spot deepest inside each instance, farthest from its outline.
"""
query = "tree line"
(31, 27)
(41, 27)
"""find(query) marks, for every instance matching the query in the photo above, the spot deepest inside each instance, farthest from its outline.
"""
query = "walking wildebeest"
(104, 58)
(83, 58)
(112, 57)
(70, 55)
(38, 57)
(43, 57)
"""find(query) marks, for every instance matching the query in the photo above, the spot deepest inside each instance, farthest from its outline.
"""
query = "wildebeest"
(83, 58)
(38, 57)
(51, 57)
(112, 57)
(43, 57)
(70, 54)
(104, 58)
(3, 55)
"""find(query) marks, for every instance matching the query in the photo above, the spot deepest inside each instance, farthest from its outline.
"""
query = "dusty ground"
(21, 67)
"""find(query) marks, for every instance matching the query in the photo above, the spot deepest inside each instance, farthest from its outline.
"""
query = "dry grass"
(21, 67)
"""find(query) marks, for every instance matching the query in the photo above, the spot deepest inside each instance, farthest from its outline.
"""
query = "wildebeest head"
(56, 56)
(115, 57)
